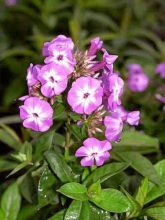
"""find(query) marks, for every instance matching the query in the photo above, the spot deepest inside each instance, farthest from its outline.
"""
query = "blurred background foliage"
(133, 29)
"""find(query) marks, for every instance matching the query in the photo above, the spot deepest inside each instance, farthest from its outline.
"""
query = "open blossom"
(61, 42)
(96, 44)
(134, 68)
(113, 88)
(60, 52)
(138, 82)
(36, 114)
(85, 95)
(32, 74)
(114, 127)
(62, 58)
(94, 152)
(160, 69)
(53, 79)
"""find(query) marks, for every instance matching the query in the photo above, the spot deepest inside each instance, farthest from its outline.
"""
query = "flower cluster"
(137, 80)
(87, 86)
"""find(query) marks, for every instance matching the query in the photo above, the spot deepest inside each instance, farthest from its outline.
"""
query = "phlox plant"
(80, 150)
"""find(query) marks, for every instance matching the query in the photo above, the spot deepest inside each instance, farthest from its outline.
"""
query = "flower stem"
(67, 141)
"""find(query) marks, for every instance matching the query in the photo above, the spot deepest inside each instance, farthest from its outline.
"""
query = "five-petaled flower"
(36, 114)
(94, 151)
(53, 79)
(85, 95)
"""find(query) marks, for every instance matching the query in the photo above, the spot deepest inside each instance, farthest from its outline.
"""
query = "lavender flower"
(113, 88)
(53, 79)
(138, 82)
(134, 68)
(36, 114)
(60, 52)
(96, 44)
(32, 74)
(94, 152)
(133, 118)
(160, 69)
(114, 127)
(85, 96)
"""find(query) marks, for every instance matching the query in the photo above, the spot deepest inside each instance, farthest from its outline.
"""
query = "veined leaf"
(74, 190)
(105, 172)
(10, 203)
(141, 164)
(59, 166)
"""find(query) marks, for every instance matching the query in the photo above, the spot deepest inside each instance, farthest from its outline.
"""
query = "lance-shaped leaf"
(136, 141)
(10, 203)
(155, 191)
(105, 172)
(141, 164)
(59, 166)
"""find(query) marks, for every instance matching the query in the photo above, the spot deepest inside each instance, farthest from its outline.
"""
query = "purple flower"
(106, 63)
(85, 95)
(59, 51)
(120, 112)
(10, 2)
(138, 82)
(32, 74)
(36, 114)
(133, 118)
(53, 79)
(160, 69)
(109, 59)
(114, 127)
(96, 44)
(61, 42)
(134, 68)
(160, 98)
(94, 152)
(113, 87)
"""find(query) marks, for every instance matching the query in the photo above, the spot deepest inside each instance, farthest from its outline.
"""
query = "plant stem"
(67, 142)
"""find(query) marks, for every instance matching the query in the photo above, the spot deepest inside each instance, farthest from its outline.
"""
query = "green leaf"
(11, 201)
(157, 211)
(74, 190)
(59, 166)
(18, 168)
(2, 215)
(78, 210)
(141, 164)
(94, 189)
(27, 212)
(112, 200)
(153, 190)
(105, 172)
(42, 143)
(99, 214)
(6, 165)
(58, 216)
(136, 141)
(9, 137)
(46, 191)
(135, 210)
(27, 187)
(27, 150)
(142, 192)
